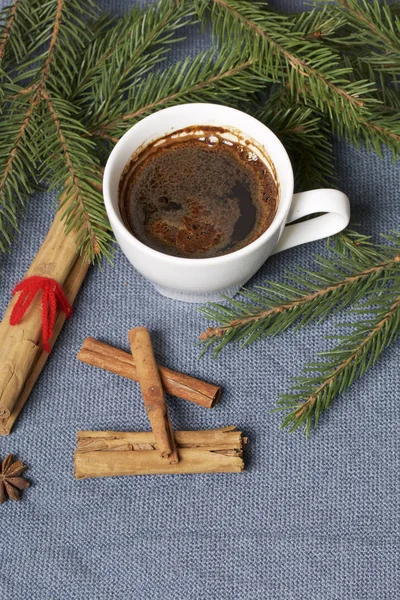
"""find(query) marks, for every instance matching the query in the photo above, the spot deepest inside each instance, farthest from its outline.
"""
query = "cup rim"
(226, 258)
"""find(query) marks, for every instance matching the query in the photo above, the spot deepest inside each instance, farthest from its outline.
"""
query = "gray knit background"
(316, 520)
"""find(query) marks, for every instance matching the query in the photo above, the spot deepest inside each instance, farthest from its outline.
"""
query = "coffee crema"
(197, 194)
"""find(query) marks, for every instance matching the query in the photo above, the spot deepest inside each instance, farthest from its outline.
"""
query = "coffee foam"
(197, 195)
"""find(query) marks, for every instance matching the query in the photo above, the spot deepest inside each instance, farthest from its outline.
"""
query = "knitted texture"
(316, 520)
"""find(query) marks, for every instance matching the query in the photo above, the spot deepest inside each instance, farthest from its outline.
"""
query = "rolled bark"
(152, 392)
(101, 355)
(71, 287)
(21, 344)
(113, 453)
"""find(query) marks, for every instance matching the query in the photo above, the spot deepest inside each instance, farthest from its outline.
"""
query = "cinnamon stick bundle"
(113, 453)
(21, 354)
(152, 392)
(109, 358)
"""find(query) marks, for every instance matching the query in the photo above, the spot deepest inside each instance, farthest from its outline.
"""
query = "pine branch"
(68, 155)
(209, 77)
(360, 274)
(114, 62)
(312, 70)
(320, 24)
(340, 367)
(52, 46)
(17, 167)
(306, 138)
(18, 153)
(15, 25)
(387, 94)
(375, 29)
(281, 52)
(356, 270)
(75, 171)
(369, 45)
(7, 21)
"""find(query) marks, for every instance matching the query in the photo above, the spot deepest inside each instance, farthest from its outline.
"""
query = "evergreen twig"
(209, 76)
(375, 29)
(314, 71)
(356, 269)
(117, 60)
(306, 138)
(340, 367)
(358, 272)
(7, 20)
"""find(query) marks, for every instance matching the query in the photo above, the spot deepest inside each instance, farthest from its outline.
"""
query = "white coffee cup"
(207, 279)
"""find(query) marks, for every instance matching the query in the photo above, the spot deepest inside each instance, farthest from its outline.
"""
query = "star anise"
(11, 481)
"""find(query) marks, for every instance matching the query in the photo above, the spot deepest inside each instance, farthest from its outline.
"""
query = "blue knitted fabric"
(316, 520)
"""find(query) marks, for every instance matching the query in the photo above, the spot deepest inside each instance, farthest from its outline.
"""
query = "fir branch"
(113, 63)
(7, 21)
(23, 118)
(17, 158)
(318, 23)
(360, 274)
(15, 28)
(340, 367)
(312, 69)
(104, 44)
(374, 26)
(191, 80)
(70, 36)
(17, 167)
(52, 46)
(382, 125)
(306, 138)
(76, 172)
(354, 272)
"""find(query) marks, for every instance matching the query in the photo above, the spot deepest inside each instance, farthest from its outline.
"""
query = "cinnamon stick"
(109, 358)
(152, 392)
(71, 288)
(21, 345)
(113, 453)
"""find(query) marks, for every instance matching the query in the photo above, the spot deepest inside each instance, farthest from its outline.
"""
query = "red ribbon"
(52, 293)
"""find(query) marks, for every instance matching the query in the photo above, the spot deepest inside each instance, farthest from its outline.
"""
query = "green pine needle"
(115, 61)
(358, 274)
(306, 137)
(208, 77)
(374, 28)
(338, 368)
(356, 268)
(293, 52)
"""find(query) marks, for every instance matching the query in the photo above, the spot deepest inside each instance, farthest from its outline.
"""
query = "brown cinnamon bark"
(152, 392)
(71, 287)
(21, 352)
(113, 453)
(21, 344)
(104, 356)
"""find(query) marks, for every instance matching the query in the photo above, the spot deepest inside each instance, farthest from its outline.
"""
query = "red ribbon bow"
(52, 294)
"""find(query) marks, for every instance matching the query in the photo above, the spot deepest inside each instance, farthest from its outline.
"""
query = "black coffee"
(197, 197)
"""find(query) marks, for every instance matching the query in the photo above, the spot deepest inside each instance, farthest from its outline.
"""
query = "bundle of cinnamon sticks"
(22, 357)
(162, 451)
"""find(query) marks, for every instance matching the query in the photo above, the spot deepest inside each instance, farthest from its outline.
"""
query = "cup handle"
(332, 202)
